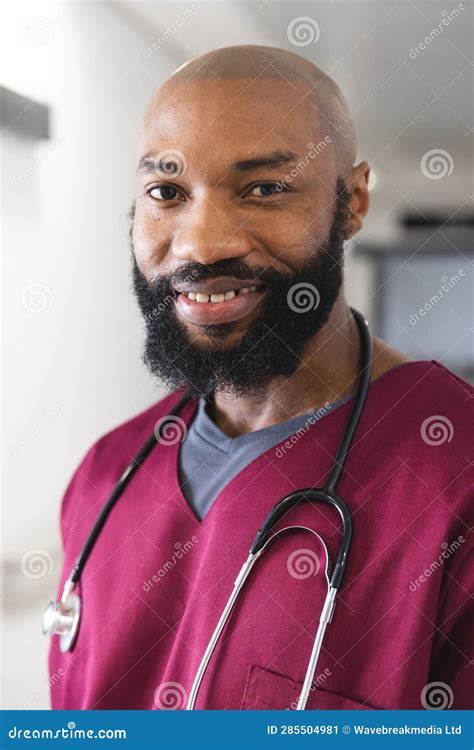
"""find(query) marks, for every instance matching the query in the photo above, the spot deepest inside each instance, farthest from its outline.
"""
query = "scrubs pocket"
(266, 689)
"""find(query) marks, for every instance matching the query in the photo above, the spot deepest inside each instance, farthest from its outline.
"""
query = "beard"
(294, 307)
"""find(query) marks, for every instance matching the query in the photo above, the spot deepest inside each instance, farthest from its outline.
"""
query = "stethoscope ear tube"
(310, 495)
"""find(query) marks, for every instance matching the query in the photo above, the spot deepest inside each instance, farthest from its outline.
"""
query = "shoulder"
(106, 460)
(427, 394)
(422, 418)
(122, 442)
(432, 382)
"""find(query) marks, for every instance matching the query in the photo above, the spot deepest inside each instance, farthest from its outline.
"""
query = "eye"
(267, 189)
(165, 193)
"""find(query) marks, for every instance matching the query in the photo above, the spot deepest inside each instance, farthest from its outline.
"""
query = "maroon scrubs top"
(158, 578)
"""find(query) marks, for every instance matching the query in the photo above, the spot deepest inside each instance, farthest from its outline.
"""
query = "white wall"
(73, 370)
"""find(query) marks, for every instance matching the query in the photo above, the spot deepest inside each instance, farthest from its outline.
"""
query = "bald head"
(259, 63)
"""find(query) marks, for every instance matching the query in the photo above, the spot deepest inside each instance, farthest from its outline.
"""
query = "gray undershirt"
(209, 459)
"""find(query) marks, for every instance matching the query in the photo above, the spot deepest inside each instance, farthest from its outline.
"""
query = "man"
(247, 188)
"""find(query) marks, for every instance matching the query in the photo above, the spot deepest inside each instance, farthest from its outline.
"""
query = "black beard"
(272, 344)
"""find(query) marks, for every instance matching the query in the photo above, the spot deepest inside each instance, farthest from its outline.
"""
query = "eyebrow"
(273, 159)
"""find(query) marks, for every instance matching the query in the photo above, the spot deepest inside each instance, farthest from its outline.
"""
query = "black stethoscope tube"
(119, 488)
(327, 494)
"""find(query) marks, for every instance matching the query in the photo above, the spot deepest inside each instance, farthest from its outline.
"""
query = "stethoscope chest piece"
(63, 620)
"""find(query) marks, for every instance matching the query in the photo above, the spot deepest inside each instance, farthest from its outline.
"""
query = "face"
(238, 233)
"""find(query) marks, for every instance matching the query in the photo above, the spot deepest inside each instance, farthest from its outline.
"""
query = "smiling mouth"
(219, 305)
(217, 298)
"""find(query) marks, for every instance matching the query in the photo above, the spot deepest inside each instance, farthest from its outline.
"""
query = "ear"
(358, 186)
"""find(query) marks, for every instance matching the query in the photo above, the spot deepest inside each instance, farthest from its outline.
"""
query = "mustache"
(228, 267)
(194, 271)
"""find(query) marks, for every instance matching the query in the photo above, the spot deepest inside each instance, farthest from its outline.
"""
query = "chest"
(158, 581)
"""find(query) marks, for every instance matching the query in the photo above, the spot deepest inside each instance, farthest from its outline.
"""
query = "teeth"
(248, 289)
(222, 297)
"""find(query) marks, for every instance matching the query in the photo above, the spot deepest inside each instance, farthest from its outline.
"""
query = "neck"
(328, 371)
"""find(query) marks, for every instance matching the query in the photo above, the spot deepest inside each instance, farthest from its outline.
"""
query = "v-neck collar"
(209, 431)
(190, 410)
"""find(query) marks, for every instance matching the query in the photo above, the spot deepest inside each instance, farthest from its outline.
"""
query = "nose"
(210, 232)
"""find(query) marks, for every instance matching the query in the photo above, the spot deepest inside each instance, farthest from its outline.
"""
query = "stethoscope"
(63, 617)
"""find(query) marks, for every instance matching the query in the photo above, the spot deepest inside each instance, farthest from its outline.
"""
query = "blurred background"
(75, 79)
